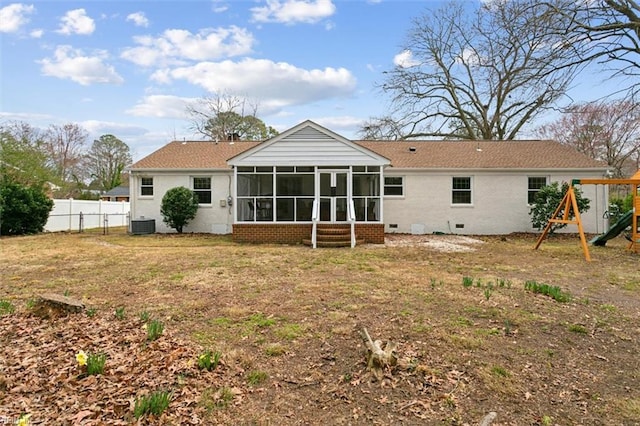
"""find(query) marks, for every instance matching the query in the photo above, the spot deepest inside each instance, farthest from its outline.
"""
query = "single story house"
(282, 189)
(119, 193)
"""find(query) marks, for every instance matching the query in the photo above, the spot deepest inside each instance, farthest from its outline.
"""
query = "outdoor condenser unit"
(143, 226)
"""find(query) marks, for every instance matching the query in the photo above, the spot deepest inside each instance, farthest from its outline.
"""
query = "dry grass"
(294, 314)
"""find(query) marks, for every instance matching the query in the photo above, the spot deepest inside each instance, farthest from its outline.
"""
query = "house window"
(202, 188)
(393, 186)
(255, 194)
(535, 184)
(461, 192)
(146, 186)
(294, 194)
(366, 190)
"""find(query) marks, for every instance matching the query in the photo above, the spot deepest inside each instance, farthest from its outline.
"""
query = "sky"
(131, 68)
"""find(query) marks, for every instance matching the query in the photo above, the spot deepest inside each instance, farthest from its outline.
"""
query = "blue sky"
(130, 68)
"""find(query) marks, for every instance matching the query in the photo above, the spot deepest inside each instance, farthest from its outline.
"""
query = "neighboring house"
(119, 193)
(271, 191)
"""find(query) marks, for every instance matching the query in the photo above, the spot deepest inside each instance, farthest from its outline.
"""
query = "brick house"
(288, 188)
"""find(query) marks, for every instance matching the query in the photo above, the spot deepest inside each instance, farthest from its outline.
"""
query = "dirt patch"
(444, 243)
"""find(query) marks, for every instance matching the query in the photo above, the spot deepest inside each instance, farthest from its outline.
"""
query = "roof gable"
(308, 144)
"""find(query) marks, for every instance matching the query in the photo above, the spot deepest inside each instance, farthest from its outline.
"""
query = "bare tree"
(381, 128)
(223, 117)
(481, 73)
(605, 130)
(610, 29)
(65, 149)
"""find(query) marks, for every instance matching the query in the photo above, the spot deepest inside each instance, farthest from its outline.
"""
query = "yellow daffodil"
(24, 420)
(81, 357)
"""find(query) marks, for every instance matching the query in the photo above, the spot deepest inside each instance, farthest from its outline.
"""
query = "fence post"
(105, 224)
(70, 213)
(81, 223)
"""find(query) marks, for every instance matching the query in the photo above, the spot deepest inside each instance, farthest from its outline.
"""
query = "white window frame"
(143, 186)
(401, 186)
(470, 191)
(197, 190)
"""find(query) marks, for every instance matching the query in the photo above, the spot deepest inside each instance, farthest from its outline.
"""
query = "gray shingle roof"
(118, 191)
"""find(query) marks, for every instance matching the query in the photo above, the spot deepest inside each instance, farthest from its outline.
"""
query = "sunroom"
(310, 185)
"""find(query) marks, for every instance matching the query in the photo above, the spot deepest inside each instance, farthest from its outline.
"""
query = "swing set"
(569, 205)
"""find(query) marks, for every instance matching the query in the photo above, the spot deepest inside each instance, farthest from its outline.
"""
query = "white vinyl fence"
(77, 215)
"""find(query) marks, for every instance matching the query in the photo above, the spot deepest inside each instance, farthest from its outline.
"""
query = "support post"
(568, 202)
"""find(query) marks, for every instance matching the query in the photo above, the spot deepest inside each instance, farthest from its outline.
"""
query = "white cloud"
(120, 130)
(14, 16)
(293, 11)
(37, 33)
(219, 6)
(175, 46)
(162, 106)
(405, 59)
(138, 19)
(24, 116)
(72, 64)
(76, 22)
(469, 56)
(345, 122)
(273, 84)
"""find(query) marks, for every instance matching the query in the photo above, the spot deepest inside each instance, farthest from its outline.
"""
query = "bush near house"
(547, 201)
(23, 209)
(179, 206)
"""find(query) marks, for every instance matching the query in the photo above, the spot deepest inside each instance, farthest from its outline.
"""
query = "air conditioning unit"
(143, 226)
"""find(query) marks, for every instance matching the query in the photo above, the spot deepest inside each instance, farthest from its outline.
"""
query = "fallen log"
(54, 305)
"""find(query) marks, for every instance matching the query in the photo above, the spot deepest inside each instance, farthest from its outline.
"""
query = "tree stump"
(380, 356)
(55, 305)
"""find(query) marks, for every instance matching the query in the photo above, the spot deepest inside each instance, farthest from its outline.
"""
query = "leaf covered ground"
(287, 320)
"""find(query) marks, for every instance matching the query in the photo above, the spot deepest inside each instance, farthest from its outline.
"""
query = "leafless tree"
(381, 128)
(604, 130)
(223, 117)
(481, 73)
(609, 28)
(65, 146)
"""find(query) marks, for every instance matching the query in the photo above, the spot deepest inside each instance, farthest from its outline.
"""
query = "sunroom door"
(333, 196)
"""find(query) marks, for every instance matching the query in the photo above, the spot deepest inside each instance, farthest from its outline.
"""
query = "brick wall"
(294, 233)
